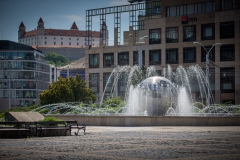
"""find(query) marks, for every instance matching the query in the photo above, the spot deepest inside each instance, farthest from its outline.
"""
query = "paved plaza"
(182, 143)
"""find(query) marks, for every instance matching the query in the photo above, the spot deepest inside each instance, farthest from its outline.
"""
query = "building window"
(69, 38)
(61, 38)
(172, 35)
(77, 39)
(227, 30)
(107, 83)
(45, 37)
(77, 44)
(54, 43)
(61, 43)
(54, 37)
(208, 31)
(154, 57)
(227, 78)
(69, 43)
(194, 8)
(189, 55)
(94, 82)
(108, 59)
(189, 33)
(227, 4)
(45, 42)
(227, 52)
(155, 36)
(122, 85)
(93, 60)
(135, 57)
(211, 54)
(172, 56)
(123, 58)
(141, 25)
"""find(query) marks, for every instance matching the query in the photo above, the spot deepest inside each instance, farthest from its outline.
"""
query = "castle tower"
(74, 26)
(22, 30)
(40, 27)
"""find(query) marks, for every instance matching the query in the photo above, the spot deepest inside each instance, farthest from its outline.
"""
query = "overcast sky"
(56, 14)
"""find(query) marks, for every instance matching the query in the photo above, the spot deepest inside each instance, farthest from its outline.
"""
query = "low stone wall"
(151, 120)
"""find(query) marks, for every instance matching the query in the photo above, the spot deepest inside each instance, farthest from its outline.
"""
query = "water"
(180, 92)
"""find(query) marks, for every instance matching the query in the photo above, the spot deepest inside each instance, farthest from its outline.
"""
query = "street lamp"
(9, 90)
(139, 50)
(207, 69)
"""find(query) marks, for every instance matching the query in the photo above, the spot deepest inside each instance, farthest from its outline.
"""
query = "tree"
(56, 59)
(67, 90)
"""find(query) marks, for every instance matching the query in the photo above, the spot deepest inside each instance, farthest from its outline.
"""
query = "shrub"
(50, 119)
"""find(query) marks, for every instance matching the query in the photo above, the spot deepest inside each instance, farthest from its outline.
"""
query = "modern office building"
(172, 28)
(24, 74)
(69, 43)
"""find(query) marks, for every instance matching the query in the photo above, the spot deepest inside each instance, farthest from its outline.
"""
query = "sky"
(56, 14)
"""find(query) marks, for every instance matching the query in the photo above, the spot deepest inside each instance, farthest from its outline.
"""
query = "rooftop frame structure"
(147, 6)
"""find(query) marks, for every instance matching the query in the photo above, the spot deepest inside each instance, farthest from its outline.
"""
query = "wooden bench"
(56, 125)
(74, 124)
(7, 128)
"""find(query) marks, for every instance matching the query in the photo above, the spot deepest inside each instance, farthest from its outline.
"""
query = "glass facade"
(23, 75)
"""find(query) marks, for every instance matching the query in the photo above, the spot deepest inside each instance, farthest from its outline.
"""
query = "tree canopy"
(56, 59)
(67, 90)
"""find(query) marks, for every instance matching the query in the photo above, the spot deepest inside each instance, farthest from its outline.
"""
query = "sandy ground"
(182, 143)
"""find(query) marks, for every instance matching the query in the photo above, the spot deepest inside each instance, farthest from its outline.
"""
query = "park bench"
(51, 126)
(14, 129)
(73, 124)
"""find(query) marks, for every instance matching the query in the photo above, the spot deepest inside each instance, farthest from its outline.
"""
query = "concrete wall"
(151, 120)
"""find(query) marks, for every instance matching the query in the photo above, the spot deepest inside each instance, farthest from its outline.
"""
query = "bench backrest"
(13, 124)
(51, 123)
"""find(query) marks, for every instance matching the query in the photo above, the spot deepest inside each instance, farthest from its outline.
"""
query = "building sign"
(186, 19)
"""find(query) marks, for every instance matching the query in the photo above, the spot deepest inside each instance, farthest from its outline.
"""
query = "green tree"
(56, 59)
(67, 90)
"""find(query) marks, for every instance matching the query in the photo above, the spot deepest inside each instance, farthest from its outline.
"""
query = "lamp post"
(207, 69)
(139, 49)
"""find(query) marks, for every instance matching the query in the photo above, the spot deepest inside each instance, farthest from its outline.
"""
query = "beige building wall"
(161, 21)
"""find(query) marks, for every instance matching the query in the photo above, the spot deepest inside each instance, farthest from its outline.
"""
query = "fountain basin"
(152, 120)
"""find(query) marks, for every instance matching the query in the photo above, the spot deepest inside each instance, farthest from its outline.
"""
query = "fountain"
(177, 93)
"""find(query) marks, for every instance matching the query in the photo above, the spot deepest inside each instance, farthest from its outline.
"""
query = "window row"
(194, 8)
(227, 82)
(227, 53)
(189, 33)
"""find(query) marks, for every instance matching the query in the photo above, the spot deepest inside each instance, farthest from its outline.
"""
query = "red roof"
(74, 26)
(22, 25)
(40, 20)
(61, 32)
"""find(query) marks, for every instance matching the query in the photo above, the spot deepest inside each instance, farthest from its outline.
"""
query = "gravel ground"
(220, 143)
